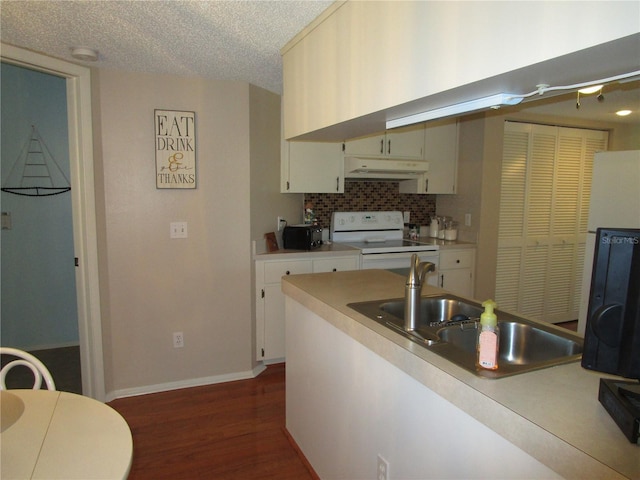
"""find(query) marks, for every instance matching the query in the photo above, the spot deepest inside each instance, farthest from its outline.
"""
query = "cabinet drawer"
(274, 271)
(335, 264)
(456, 259)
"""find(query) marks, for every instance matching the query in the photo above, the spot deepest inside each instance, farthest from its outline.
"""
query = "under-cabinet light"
(493, 101)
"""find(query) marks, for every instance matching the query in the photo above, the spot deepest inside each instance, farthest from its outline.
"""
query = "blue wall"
(39, 307)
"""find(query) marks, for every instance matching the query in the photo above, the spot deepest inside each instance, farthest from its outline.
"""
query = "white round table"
(60, 435)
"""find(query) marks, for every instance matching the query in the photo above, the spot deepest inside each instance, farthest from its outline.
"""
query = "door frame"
(78, 81)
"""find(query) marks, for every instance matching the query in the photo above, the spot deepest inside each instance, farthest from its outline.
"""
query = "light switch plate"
(178, 230)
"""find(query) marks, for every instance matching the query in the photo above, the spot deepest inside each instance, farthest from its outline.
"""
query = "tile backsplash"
(371, 196)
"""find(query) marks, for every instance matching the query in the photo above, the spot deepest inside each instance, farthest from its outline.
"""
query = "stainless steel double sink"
(448, 327)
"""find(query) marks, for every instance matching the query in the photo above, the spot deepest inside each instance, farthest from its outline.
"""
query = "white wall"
(267, 203)
(152, 285)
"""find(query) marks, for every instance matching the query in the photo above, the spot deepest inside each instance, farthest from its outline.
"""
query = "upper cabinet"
(402, 143)
(354, 64)
(312, 167)
(441, 152)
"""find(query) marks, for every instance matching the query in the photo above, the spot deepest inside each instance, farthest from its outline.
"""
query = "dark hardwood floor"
(572, 325)
(233, 430)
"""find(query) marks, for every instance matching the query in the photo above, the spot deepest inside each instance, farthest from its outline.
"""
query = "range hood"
(357, 168)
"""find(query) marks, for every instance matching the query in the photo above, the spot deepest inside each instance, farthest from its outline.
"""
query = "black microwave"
(302, 237)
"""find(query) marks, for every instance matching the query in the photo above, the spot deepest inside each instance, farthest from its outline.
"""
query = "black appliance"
(612, 335)
(302, 237)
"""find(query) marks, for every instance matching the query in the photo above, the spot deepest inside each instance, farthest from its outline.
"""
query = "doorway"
(81, 177)
(39, 307)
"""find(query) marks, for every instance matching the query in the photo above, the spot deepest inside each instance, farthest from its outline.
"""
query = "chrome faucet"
(413, 289)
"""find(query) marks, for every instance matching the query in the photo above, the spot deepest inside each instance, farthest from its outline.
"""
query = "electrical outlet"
(281, 223)
(467, 219)
(178, 340)
(178, 230)
(383, 468)
(406, 217)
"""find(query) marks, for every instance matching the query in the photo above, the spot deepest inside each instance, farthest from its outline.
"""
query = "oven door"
(400, 263)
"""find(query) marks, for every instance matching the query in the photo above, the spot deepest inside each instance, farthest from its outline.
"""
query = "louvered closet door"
(545, 184)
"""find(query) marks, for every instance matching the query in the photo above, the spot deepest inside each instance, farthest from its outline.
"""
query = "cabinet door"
(274, 341)
(270, 342)
(401, 143)
(457, 281)
(441, 151)
(372, 146)
(405, 143)
(313, 167)
(456, 271)
(339, 264)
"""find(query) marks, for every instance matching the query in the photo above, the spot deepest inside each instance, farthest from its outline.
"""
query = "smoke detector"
(85, 54)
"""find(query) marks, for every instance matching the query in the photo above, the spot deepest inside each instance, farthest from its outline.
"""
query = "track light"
(589, 91)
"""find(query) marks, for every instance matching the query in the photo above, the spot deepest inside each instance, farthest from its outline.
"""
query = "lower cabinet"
(270, 344)
(456, 271)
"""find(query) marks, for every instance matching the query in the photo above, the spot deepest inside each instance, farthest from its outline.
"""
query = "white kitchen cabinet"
(456, 270)
(400, 143)
(312, 167)
(336, 264)
(441, 152)
(270, 341)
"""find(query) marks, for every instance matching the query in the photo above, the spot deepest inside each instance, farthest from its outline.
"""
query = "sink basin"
(436, 310)
(448, 327)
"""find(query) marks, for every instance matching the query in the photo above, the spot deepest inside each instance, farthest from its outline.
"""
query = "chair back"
(40, 372)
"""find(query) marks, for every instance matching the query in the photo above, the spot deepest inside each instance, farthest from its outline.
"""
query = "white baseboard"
(194, 382)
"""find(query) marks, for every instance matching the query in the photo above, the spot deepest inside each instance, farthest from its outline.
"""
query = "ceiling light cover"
(623, 113)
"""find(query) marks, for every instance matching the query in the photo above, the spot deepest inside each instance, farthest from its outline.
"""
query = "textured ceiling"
(225, 40)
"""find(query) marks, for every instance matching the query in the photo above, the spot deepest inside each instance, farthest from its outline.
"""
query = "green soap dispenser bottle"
(488, 337)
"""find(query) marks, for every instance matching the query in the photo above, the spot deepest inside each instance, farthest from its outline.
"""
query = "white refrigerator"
(614, 203)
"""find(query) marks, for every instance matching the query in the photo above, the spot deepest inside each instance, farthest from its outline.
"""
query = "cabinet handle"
(337, 184)
(442, 280)
(335, 269)
(389, 147)
(426, 185)
(287, 272)
(382, 146)
(288, 185)
(458, 261)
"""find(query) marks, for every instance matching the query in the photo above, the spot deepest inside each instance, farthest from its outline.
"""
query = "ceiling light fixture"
(493, 101)
(590, 90)
(85, 54)
(623, 113)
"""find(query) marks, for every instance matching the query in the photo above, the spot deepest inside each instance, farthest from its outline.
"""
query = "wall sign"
(175, 140)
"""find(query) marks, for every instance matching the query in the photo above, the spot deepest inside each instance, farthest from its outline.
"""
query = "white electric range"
(380, 238)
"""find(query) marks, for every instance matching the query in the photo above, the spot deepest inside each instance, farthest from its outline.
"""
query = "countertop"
(325, 250)
(552, 414)
(340, 249)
